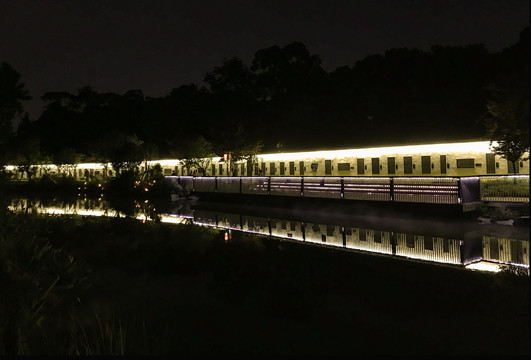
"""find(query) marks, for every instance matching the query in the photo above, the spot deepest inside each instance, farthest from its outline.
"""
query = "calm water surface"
(476, 245)
(218, 279)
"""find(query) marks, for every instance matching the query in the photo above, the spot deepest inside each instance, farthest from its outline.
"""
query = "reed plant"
(40, 281)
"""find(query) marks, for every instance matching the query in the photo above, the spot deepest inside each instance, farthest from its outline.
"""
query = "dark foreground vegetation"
(74, 285)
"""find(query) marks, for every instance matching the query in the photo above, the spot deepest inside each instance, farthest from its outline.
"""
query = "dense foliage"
(284, 100)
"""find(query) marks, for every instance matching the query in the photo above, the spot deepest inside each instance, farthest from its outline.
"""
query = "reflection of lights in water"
(484, 266)
(204, 224)
(172, 219)
(477, 264)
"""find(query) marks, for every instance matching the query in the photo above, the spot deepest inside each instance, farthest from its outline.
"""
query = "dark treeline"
(283, 100)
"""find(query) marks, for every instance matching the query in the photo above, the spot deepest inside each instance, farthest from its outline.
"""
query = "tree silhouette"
(196, 152)
(508, 123)
(12, 94)
(285, 97)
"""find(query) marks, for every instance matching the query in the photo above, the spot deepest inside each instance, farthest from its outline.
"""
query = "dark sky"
(157, 45)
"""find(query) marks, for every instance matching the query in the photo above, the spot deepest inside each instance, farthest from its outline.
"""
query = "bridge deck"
(432, 190)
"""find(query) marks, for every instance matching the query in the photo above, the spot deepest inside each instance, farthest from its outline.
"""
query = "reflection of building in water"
(446, 250)
(287, 229)
(323, 233)
(430, 248)
(228, 221)
(369, 240)
(87, 207)
(255, 224)
(505, 251)
(483, 252)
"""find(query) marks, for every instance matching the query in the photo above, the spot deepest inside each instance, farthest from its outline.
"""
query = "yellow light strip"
(462, 147)
(93, 166)
(477, 146)
(168, 162)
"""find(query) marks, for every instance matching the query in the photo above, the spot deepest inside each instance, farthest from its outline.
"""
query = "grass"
(504, 187)
(103, 336)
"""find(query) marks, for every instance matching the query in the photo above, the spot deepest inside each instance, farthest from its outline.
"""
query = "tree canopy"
(507, 122)
(283, 100)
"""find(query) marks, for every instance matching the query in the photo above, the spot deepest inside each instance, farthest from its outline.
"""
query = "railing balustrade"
(505, 188)
(434, 190)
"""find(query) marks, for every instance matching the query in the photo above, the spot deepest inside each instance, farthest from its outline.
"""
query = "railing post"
(269, 185)
(302, 185)
(240, 184)
(342, 188)
(215, 184)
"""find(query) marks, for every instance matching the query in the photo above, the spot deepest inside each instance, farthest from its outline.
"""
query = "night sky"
(158, 45)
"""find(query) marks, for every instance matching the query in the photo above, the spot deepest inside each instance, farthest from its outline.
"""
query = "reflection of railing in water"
(496, 252)
(442, 250)
(429, 248)
(435, 190)
(505, 250)
(414, 246)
